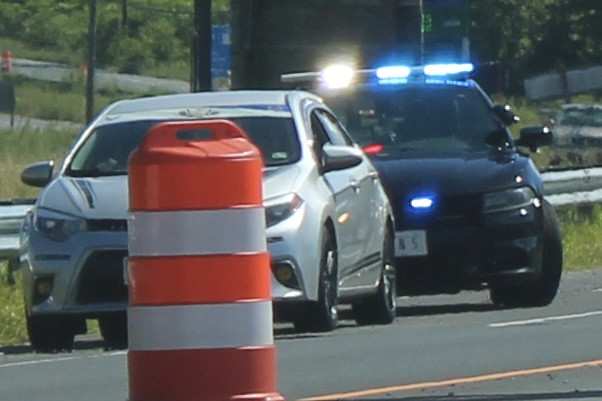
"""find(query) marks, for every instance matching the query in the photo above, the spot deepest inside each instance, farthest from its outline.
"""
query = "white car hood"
(90, 198)
(107, 197)
(280, 180)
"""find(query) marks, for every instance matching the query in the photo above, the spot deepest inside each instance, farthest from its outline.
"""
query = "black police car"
(468, 202)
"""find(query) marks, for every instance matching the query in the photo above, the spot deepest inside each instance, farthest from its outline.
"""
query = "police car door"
(352, 190)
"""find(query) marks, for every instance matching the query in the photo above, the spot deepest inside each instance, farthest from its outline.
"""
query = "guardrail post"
(200, 311)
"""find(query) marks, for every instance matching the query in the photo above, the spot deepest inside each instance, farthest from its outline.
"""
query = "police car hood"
(449, 173)
(90, 198)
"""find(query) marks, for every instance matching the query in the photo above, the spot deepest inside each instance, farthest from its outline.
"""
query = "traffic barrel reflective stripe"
(200, 311)
(230, 325)
(221, 232)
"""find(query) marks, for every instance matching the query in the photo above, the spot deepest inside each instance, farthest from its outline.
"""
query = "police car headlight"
(510, 200)
(281, 208)
(57, 226)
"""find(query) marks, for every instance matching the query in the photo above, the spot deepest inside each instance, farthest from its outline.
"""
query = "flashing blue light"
(393, 72)
(422, 202)
(447, 69)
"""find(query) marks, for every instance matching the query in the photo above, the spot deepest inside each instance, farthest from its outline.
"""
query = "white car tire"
(381, 308)
(322, 315)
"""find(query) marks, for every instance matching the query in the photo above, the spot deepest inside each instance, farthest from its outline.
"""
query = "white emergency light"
(337, 76)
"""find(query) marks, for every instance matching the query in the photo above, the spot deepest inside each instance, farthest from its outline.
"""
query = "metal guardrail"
(12, 213)
(570, 187)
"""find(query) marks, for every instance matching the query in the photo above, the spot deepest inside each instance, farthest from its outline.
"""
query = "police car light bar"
(295, 77)
(337, 76)
(393, 72)
(340, 76)
(447, 69)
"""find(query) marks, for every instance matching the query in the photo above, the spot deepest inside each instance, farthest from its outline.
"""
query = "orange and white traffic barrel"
(6, 62)
(200, 312)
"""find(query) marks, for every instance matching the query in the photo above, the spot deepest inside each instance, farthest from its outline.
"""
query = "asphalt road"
(439, 348)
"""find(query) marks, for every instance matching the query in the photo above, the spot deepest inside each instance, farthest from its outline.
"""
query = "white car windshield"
(106, 150)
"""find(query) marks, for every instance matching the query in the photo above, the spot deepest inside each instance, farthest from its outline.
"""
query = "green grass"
(64, 100)
(21, 148)
(20, 49)
(12, 317)
(581, 232)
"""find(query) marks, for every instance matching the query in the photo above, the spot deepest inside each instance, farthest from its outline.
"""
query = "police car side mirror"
(535, 137)
(505, 114)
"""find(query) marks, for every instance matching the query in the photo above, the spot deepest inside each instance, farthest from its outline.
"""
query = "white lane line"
(61, 359)
(545, 319)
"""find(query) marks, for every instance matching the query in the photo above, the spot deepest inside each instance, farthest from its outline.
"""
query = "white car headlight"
(509, 200)
(57, 226)
(281, 208)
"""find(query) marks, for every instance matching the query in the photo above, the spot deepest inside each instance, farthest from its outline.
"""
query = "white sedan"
(328, 221)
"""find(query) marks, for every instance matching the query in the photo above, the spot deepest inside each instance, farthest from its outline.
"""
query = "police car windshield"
(426, 117)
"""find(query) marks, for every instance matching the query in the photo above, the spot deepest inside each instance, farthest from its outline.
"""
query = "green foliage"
(523, 37)
(530, 37)
(152, 34)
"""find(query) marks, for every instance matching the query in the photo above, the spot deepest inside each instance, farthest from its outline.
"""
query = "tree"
(537, 36)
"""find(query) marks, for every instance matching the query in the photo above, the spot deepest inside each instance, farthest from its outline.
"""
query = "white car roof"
(205, 99)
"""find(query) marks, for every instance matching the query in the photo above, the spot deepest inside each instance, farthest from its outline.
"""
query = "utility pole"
(202, 46)
(422, 28)
(91, 62)
(124, 13)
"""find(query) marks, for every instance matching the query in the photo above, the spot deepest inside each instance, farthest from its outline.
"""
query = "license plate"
(410, 243)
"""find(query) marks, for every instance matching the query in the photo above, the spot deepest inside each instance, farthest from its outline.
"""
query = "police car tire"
(542, 291)
(113, 329)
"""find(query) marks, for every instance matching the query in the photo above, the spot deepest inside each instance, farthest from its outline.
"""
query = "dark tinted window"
(420, 117)
(276, 137)
(107, 149)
